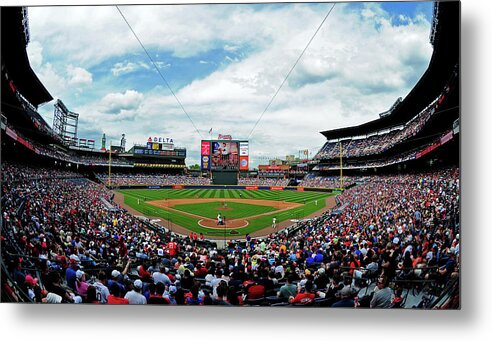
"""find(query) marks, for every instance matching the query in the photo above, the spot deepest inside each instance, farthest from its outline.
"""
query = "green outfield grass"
(310, 201)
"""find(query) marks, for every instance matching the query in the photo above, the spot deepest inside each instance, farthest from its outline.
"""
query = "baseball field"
(242, 211)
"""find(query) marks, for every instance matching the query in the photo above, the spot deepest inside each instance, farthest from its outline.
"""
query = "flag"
(210, 131)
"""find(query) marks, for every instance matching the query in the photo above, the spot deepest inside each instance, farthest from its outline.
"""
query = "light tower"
(65, 123)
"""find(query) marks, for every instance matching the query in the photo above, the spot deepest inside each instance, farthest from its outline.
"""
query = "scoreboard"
(180, 153)
(159, 146)
(224, 155)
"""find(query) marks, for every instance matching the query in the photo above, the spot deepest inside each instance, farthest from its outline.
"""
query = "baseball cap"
(53, 298)
(115, 273)
(74, 259)
(31, 281)
(138, 284)
(79, 274)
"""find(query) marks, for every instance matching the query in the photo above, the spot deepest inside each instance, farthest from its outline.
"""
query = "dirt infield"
(169, 203)
(119, 199)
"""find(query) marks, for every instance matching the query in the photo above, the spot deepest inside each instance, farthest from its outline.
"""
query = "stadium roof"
(444, 58)
(14, 57)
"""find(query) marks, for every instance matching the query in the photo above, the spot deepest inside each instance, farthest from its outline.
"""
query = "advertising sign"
(243, 148)
(243, 163)
(205, 162)
(205, 148)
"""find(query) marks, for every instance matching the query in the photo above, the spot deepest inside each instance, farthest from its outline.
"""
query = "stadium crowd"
(123, 179)
(263, 181)
(62, 244)
(70, 156)
(312, 180)
(375, 144)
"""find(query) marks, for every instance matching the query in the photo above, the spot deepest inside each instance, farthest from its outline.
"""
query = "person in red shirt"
(114, 297)
(61, 259)
(173, 248)
(256, 291)
(157, 296)
(305, 297)
(143, 273)
(200, 271)
(253, 289)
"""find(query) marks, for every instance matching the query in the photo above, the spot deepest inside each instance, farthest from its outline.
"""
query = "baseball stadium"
(213, 216)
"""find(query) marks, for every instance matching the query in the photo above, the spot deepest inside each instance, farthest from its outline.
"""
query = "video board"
(224, 155)
(180, 153)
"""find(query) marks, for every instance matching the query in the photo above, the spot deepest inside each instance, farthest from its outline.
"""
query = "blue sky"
(224, 63)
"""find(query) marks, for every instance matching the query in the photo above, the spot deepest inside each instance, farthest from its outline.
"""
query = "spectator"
(91, 295)
(347, 299)
(382, 294)
(161, 277)
(288, 289)
(81, 285)
(305, 296)
(102, 291)
(71, 272)
(135, 296)
(114, 297)
(158, 297)
(222, 295)
(194, 298)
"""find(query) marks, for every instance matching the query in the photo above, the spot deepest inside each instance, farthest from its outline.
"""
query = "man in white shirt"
(161, 276)
(214, 283)
(382, 294)
(102, 291)
(134, 296)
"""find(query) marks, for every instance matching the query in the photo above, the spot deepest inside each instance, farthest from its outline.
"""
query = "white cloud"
(35, 53)
(54, 82)
(78, 76)
(229, 48)
(162, 65)
(121, 103)
(123, 68)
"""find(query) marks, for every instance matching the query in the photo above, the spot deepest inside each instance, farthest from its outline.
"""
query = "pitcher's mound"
(223, 208)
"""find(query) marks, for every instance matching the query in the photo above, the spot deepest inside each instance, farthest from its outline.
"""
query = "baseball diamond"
(247, 212)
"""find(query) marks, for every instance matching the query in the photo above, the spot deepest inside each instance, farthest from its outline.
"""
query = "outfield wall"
(243, 187)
